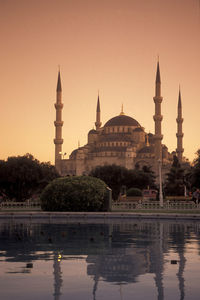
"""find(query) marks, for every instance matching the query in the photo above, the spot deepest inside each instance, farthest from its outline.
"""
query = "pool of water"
(109, 260)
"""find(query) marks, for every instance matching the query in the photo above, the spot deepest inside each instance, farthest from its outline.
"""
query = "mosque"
(121, 140)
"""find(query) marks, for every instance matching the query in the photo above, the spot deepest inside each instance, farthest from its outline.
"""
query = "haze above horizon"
(108, 45)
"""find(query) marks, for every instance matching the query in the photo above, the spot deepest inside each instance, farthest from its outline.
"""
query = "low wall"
(11, 205)
(126, 206)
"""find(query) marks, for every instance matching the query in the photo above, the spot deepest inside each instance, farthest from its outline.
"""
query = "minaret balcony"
(180, 150)
(58, 141)
(98, 124)
(58, 105)
(58, 123)
(179, 120)
(158, 118)
(157, 99)
(158, 137)
(179, 135)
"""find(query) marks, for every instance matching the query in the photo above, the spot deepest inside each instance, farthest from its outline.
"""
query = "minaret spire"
(98, 115)
(158, 80)
(158, 117)
(179, 134)
(58, 141)
(59, 87)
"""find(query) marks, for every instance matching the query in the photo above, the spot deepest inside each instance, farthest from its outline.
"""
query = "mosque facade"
(121, 140)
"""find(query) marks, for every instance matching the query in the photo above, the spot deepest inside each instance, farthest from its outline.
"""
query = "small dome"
(122, 120)
(146, 149)
(92, 131)
(151, 138)
(138, 129)
(150, 135)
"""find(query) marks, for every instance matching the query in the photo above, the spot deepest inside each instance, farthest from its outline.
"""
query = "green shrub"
(78, 193)
(134, 192)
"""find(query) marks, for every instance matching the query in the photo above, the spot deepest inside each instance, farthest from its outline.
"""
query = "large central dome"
(122, 120)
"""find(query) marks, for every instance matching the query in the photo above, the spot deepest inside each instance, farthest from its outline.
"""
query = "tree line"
(182, 177)
(118, 178)
(24, 177)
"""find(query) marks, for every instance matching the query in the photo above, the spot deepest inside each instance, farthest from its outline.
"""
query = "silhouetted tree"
(194, 174)
(23, 176)
(151, 176)
(116, 177)
(175, 179)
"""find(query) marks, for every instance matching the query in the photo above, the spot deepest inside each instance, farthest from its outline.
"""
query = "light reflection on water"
(125, 260)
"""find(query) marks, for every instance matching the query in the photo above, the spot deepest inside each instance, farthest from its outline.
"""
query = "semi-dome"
(74, 152)
(122, 120)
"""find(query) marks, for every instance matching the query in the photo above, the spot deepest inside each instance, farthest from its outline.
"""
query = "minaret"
(158, 117)
(98, 115)
(179, 134)
(58, 141)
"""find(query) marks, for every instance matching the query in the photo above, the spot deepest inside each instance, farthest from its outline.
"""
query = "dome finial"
(122, 111)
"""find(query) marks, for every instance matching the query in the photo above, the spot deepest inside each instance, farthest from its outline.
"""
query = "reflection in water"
(180, 274)
(57, 276)
(116, 253)
(159, 263)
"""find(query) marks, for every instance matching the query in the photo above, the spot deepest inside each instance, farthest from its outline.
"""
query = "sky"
(110, 46)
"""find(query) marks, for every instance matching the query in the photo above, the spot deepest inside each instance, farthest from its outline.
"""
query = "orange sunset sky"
(106, 45)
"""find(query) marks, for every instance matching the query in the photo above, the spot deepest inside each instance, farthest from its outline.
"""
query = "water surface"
(109, 260)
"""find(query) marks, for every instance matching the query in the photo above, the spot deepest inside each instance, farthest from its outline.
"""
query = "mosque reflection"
(115, 253)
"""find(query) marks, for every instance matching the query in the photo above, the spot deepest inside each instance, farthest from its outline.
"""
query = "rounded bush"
(78, 193)
(134, 192)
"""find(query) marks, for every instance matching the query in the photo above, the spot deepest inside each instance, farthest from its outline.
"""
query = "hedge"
(78, 193)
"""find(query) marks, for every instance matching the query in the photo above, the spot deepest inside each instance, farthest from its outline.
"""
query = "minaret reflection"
(159, 263)
(179, 234)
(96, 281)
(180, 273)
(57, 276)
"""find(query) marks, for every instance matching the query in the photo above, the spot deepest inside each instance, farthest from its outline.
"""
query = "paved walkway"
(97, 215)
